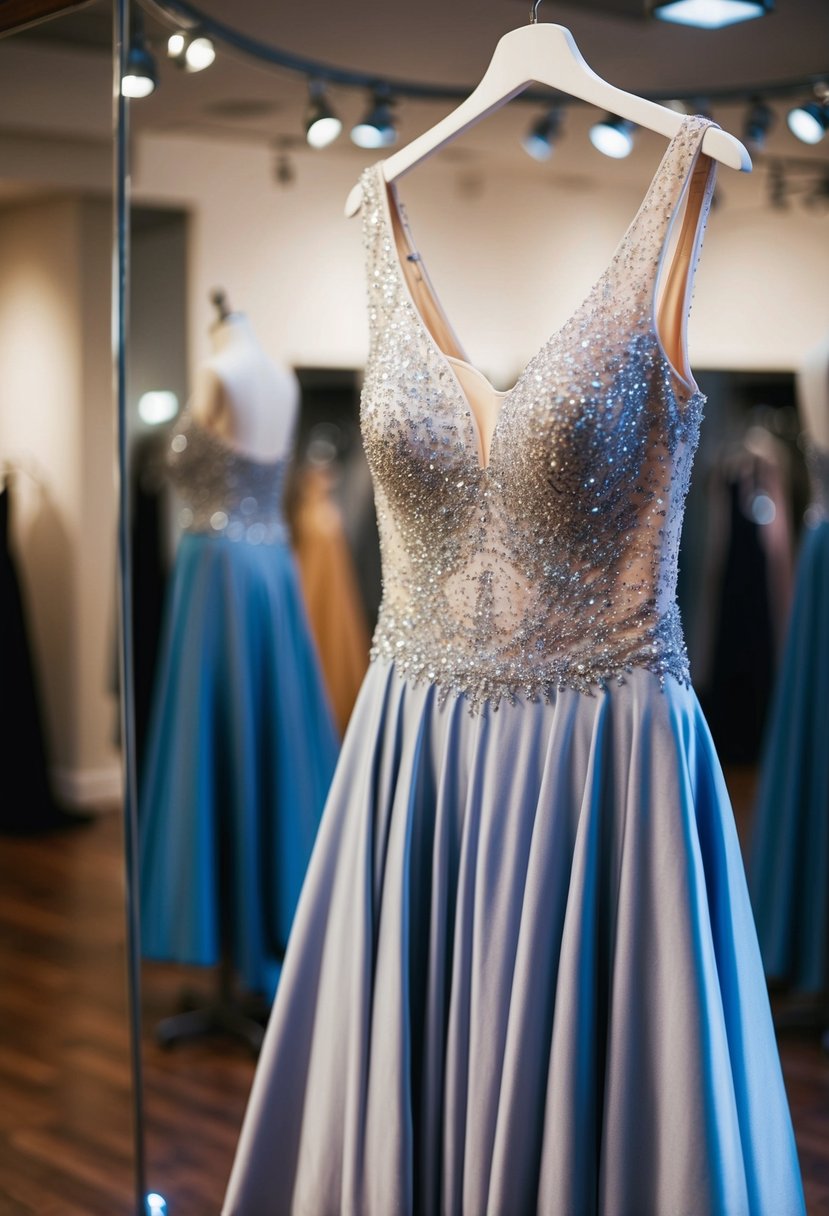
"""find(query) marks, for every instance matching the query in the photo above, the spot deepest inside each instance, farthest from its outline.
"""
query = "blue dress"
(789, 869)
(523, 976)
(241, 744)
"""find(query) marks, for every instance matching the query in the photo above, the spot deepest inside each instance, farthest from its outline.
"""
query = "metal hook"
(534, 12)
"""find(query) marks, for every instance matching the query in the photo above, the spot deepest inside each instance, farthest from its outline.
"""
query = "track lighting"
(141, 73)
(191, 50)
(538, 142)
(758, 123)
(710, 14)
(809, 122)
(376, 129)
(613, 137)
(322, 126)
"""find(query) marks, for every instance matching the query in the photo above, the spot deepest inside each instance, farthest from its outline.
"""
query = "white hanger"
(547, 54)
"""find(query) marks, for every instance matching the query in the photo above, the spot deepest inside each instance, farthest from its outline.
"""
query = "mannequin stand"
(226, 1015)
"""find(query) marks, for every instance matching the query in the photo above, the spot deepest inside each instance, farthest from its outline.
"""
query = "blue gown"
(523, 976)
(789, 867)
(241, 744)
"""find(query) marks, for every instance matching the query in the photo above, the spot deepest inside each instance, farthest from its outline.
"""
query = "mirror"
(67, 1127)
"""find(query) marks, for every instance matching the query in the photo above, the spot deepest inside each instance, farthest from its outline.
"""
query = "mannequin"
(813, 394)
(243, 395)
(241, 743)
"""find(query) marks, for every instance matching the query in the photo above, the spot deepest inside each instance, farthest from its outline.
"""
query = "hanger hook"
(534, 12)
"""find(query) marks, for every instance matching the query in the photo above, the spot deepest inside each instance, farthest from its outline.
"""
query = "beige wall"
(55, 420)
(511, 255)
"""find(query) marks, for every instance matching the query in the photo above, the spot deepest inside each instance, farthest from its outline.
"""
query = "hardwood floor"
(65, 1120)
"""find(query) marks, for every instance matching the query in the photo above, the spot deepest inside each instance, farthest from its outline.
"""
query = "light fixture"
(758, 123)
(613, 137)
(710, 14)
(284, 170)
(322, 126)
(809, 122)
(538, 142)
(157, 406)
(191, 50)
(376, 129)
(141, 73)
(156, 1204)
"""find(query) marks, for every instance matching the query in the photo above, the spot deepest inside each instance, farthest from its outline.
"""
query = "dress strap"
(661, 249)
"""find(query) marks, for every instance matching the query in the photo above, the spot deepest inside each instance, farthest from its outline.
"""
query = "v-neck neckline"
(389, 198)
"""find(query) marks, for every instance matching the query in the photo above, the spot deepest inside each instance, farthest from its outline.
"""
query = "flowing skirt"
(239, 760)
(523, 976)
(789, 868)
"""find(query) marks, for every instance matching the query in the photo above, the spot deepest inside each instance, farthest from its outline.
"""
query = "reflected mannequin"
(242, 743)
(790, 855)
(241, 394)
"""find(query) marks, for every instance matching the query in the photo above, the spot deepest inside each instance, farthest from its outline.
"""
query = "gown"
(330, 590)
(789, 866)
(241, 744)
(524, 976)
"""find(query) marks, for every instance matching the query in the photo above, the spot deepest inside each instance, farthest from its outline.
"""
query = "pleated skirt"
(240, 755)
(789, 868)
(523, 977)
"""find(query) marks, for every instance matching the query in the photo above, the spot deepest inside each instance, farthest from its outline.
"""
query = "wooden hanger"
(547, 54)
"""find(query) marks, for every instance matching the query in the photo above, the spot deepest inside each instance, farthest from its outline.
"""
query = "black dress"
(28, 804)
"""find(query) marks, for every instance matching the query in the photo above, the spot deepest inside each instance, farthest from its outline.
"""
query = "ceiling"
(446, 44)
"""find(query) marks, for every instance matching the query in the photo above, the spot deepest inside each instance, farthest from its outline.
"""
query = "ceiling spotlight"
(376, 129)
(710, 14)
(191, 50)
(141, 73)
(809, 122)
(613, 136)
(538, 142)
(759, 121)
(322, 126)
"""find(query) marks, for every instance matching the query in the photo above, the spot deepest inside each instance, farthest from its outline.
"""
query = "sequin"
(554, 564)
(227, 494)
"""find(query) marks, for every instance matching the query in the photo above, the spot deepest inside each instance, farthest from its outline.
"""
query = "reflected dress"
(241, 743)
(524, 977)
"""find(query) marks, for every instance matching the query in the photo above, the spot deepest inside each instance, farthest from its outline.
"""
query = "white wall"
(511, 257)
(55, 420)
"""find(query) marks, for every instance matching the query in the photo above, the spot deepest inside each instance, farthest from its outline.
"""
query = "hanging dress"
(523, 976)
(789, 869)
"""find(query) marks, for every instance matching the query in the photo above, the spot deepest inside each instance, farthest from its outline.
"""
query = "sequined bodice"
(224, 492)
(554, 564)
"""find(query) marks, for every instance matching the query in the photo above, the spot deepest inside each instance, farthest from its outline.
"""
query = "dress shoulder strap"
(683, 183)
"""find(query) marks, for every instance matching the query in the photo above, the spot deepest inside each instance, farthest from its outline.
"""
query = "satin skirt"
(523, 976)
(240, 755)
(789, 870)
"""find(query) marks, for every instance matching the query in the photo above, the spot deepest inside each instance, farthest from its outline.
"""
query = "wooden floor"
(65, 1117)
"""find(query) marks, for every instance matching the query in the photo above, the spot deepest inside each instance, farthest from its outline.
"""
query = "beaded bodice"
(817, 460)
(224, 492)
(554, 563)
